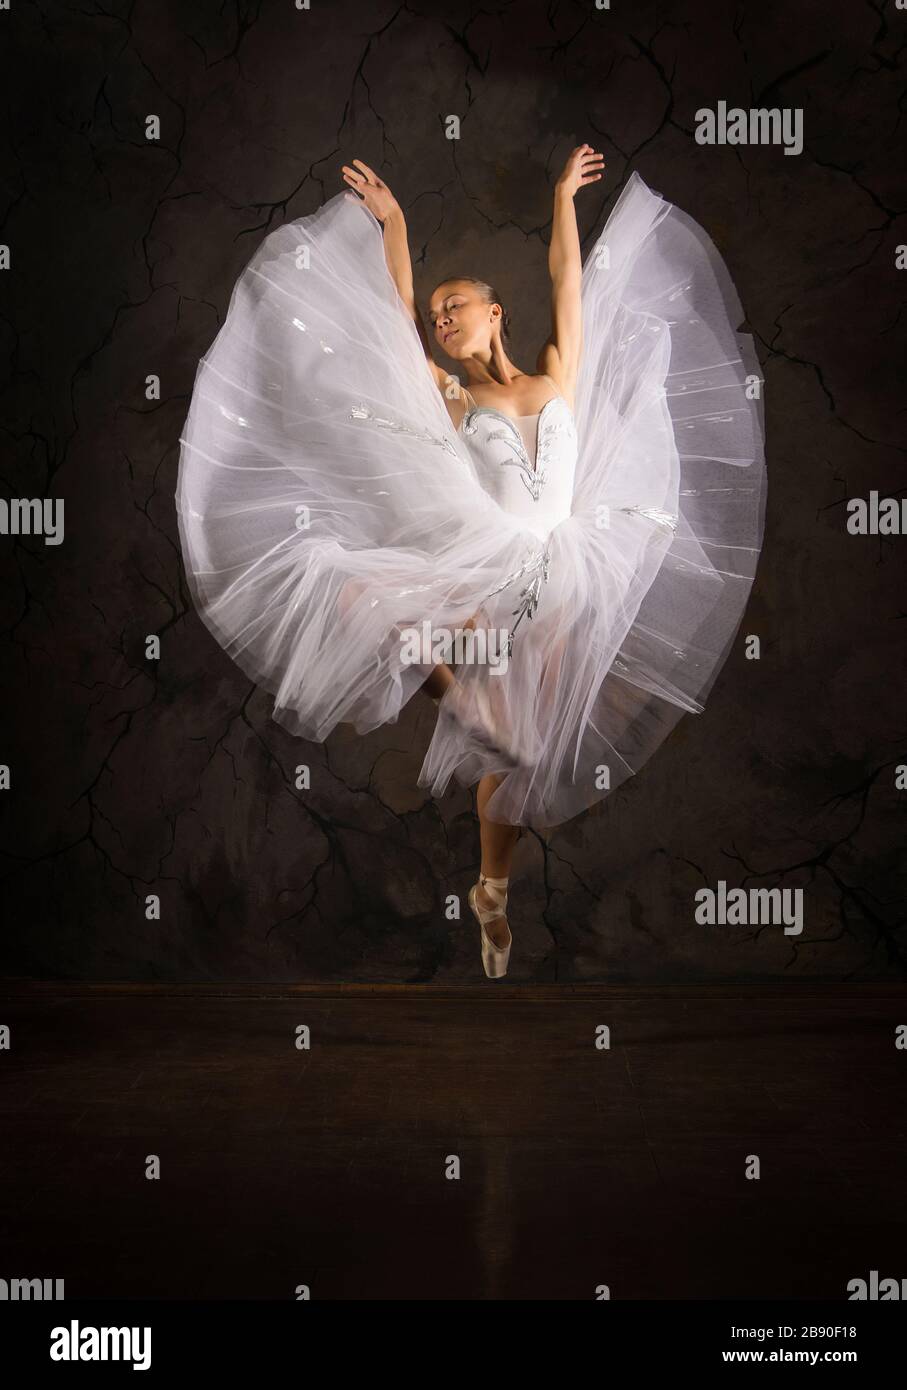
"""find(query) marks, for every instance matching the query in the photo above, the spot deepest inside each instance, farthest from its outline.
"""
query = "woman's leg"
(498, 843)
(438, 682)
(443, 675)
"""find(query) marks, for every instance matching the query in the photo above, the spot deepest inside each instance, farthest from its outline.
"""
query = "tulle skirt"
(327, 506)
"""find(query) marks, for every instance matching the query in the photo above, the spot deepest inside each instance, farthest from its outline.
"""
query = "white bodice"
(528, 464)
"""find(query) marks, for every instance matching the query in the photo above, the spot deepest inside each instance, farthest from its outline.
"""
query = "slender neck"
(491, 368)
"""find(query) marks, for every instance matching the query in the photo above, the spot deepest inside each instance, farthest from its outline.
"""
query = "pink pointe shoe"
(494, 958)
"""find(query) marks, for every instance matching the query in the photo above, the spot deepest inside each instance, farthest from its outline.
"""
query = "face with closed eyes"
(460, 319)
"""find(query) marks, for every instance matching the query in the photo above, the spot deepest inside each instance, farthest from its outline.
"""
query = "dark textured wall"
(131, 777)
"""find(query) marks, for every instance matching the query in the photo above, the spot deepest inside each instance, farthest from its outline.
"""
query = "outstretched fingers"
(370, 174)
(591, 162)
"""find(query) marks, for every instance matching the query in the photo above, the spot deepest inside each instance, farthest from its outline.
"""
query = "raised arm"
(379, 200)
(561, 352)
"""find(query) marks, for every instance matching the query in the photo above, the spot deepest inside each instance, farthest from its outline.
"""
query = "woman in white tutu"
(560, 558)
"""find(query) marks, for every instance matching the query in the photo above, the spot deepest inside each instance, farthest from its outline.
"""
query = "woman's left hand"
(581, 169)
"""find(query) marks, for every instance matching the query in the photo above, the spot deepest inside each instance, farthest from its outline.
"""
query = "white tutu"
(327, 503)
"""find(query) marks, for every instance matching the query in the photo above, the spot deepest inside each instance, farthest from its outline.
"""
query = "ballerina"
(600, 517)
(471, 327)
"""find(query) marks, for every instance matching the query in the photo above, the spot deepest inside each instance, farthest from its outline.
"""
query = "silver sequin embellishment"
(668, 519)
(529, 597)
(537, 562)
(533, 478)
(362, 412)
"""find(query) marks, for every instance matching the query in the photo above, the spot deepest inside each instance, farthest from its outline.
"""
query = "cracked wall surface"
(131, 777)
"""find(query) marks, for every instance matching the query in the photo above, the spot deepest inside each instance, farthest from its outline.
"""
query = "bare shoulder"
(451, 391)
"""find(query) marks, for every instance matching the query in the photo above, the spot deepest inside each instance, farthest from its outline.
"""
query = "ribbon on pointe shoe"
(496, 888)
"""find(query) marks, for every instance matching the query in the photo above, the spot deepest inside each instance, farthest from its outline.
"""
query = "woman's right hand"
(375, 194)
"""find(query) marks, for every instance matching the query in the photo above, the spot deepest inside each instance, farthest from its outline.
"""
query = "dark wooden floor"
(579, 1166)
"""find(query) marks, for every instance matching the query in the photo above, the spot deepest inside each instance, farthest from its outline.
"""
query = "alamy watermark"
(480, 646)
(32, 516)
(30, 1290)
(739, 907)
(758, 126)
(877, 515)
(78, 1343)
(875, 1289)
